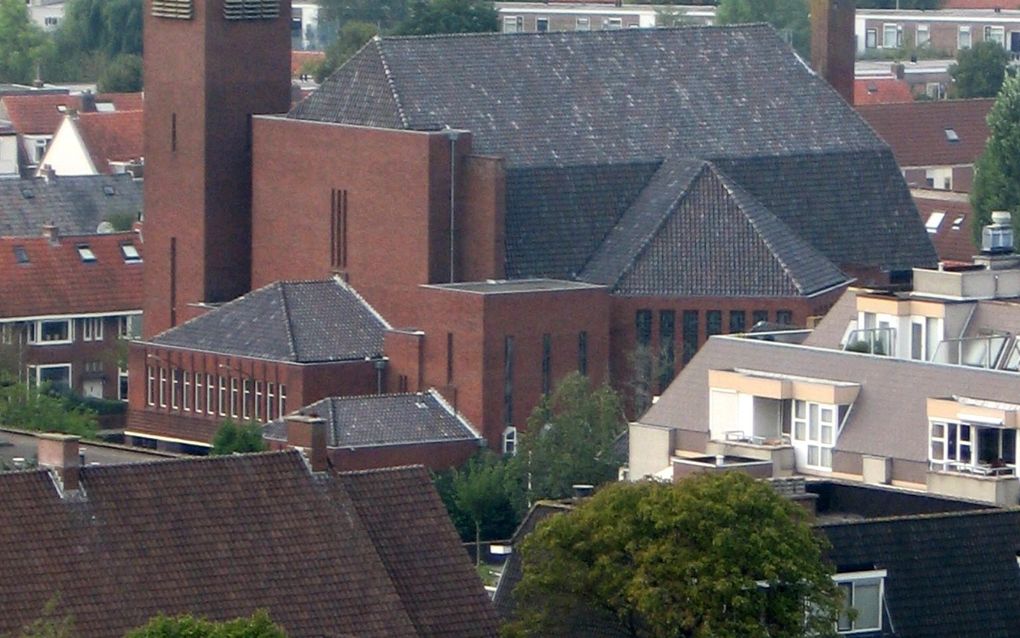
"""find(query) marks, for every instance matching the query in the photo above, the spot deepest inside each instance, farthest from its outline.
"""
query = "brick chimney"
(59, 454)
(309, 434)
(51, 232)
(88, 102)
(833, 44)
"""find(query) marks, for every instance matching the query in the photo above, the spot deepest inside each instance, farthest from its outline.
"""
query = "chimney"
(50, 232)
(997, 244)
(309, 434)
(59, 454)
(833, 44)
(88, 102)
(48, 173)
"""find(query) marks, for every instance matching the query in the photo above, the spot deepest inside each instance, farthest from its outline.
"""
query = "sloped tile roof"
(585, 118)
(916, 131)
(41, 114)
(953, 235)
(112, 137)
(694, 232)
(55, 280)
(75, 204)
(239, 533)
(298, 321)
(385, 419)
(947, 575)
(881, 91)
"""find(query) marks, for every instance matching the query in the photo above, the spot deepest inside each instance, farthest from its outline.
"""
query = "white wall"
(8, 156)
(67, 154)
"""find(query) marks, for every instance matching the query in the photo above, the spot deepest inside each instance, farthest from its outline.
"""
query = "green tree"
(237, 438)
(386, 15)
(979, 70)
(718, 555)
(427, 17)
(570, 440)
(789, 17)
(353, 35)
(23, 45)
(480, 492)
(122, 75)
(50, 624)
(92, 35)
(997, 172)
(44, 410)
(186, 626)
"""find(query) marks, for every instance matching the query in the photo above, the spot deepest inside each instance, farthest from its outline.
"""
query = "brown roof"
(38, 277)
(889, 417)
(41, 114)
(917, 132)
(949, 218)
(239, 533)
(881, 91)
(111, 137)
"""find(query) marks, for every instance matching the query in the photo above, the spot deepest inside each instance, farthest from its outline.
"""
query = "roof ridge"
(236, 300)
(925, 516)
(377, 41)
(582, 34)
(371, 309)
(287, 322)
(210, 458)
(456, 414)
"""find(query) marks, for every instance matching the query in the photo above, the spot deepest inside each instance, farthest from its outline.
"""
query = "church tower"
(209, 66)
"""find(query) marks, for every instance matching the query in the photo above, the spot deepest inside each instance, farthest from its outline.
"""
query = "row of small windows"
(63, 331)
(128, 251)
(210, 394)
(508, 367)
(892, 36)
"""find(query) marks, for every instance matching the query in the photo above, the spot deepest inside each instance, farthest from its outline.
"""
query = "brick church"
(473, 217)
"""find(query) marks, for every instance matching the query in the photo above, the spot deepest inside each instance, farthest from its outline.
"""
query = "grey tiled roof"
(584, 119)
(298, 321)
(387, 419)
(76, 205)
(694, 232)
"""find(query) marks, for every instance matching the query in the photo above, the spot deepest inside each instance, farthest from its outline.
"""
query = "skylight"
(86, 253)
(958, 222)
(934, 221)
(130, 253)
(108, 190)
(20, 254)
(951, 135)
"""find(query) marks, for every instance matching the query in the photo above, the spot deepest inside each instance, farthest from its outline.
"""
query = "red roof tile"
(112, 137)
(918, 131)
(881, 91)
(55, 280)
(949, 219)
(41, 114)
(123, 101)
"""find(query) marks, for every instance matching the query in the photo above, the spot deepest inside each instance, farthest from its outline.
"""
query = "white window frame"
(516, 24)
(612, 24)
(175, 384)
(7, 333)
(245, 395)
(123, 384)
(854, 579)
(36, 329)
(162, 387)
(583, 23)
(92, 329)
(199, 391)
(897, 35)
(221, 387)
(130, 253)
(510, 441)
(940, 434)
(233, 397)
(871, 38)
(990, 35)
(258, 401)
(150, 383)
(38, 368)
(811, 427)
(186, 392)
(964, 30)
(270, 398)
(926, 30)
(538, 24)
(282, 397)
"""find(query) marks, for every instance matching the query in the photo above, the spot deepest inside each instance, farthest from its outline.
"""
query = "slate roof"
(321, 554)
(916, 131)
(584, 119)
(295, 321)
(385, 419)
(75, 204)
(56, 281)
(111, 137)
(669, 242)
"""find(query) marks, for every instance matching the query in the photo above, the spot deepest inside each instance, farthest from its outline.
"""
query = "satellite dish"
(105, 228)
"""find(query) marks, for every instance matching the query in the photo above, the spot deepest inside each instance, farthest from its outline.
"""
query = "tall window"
(738, 321)
(175, 386)
(258, 401)
(814, 426)
(923, 35)
(162, 387)
(150, 381)
(245, 396)
(221, 385)
(122, 384)
(963, 39)
(92, 329)
(449, 358)
(199, 392)
(338, 228)
(270, 401)
(510, 441)
(582, 352)
(546, 363)
(667, 347)
(871, 39)
(890, 36)
(690, 334)
(508, 380)
(210, 394)
(643, 327)
(233, 397)
(283, 400)
(713, 322)
(862, 592)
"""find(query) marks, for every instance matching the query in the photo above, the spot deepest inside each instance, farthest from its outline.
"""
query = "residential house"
(96, 143)
(68, 303)
(76, 205)
(8, 151)
(949, 220)
(47, 14)
(914, 389)
(534, 17)
(479, 205)
(350, 554)
(884, 545)
(943, 32)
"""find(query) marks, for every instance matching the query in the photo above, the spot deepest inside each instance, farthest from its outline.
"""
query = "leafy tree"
(718, 555)
(426, 17)
(353, 35)
(789, 17)
(50, 624)
(92, 35)
(22, 44)
(570, 439)
(997, 172)
(44, 410)
(979, 70)
(186, 626)
(238, 438)
(386, 15)
(122, 75)
(481, 498)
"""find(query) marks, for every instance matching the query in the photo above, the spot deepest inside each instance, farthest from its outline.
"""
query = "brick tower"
(209, 66)
(832, 43)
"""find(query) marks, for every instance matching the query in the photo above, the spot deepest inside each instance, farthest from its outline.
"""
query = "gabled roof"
(38, 277)
(383, 419)
(949, 220)
(75, 204)
(41, 114)
(694, 232)
(296, 321)
(881, 91)
(367, 554)
(918, 132)
(584, 119)
(111, 137)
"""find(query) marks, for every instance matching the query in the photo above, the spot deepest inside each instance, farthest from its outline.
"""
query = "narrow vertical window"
(221, 385)
(449, 358)
(270, 401)
(738, 321)
(690, 334)
(175, 382)
(667, 348)
(233, 397)
(199, 392)
(508, 380)
(582, 352)
(186, 392)
(283, 400)
(210, 395)
(173, 133)
(245, 395)
(546, 363)
(162, 387)
(338, 227)
(150, 381)
(258, 401)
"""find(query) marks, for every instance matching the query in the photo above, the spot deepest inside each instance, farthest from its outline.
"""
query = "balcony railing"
(978, 469)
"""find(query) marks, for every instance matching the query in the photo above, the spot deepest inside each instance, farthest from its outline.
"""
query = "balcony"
(988, 483)
(777, 451)
(684, 466)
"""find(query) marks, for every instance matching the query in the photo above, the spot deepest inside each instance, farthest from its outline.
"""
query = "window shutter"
(180, 9)
(251, 9)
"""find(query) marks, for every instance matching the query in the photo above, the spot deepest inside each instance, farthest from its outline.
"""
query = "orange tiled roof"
(112, 137)
(881, 91)
(42, 114)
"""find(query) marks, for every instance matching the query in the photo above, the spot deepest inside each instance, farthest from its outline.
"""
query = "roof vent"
(179, 9)
(997, 237)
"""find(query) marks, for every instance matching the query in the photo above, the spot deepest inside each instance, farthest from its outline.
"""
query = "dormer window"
(86, 253)
(131, 254)
(863, 593)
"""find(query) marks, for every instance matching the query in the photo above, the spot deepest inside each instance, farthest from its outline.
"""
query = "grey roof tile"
(298, 321)
(75, 204)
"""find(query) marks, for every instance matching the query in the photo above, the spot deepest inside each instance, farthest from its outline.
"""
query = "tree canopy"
(427, 17)
(979, 70)
(718, 555)
(352, 36)
(23, 45)
(997, 172)
(187, 626)
(570, 439)
(238, 438)
(123, 74)
(789, 17)
(94, 34)
(44, 410)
